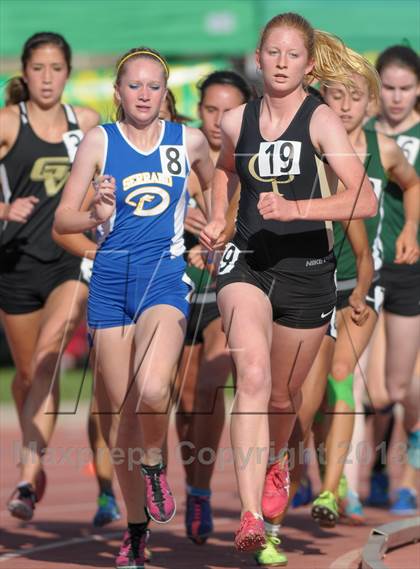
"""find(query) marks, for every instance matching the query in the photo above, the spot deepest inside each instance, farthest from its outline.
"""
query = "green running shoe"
(270, 555)
(325, 510)
(342, 488)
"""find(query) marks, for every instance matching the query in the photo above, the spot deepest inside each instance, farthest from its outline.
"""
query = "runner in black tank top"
(285, 273)
(34, 167)
(41, 300)
(283, 259)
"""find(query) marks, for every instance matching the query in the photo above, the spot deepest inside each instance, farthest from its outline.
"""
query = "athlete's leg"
(292, 355)
(351, 342)
(62, 313)
(402, 342)
(114, 349)
(313, 390)
(352, 468)
(185, 387)
(101, 458)
(209, 407)
(247, 321)
(159, 336)
(380, 411)
(22, 333)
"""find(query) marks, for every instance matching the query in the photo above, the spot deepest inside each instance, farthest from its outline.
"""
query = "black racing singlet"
(33, 167)
(289, 166)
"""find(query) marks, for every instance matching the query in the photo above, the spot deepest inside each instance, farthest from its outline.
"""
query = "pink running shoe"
(251, 533)
(23, 505)
(132, 550)
(276, 490)
(160, 504)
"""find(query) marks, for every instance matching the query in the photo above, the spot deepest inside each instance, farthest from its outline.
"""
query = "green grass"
(71, 384)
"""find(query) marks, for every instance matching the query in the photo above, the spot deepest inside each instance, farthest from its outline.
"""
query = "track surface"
(60, 535)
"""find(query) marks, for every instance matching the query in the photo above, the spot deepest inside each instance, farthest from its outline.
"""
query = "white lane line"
(57, 544)
(346, 560)
(93, 537)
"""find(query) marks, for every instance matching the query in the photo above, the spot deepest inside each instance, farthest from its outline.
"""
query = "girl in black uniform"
(276, 290)
(41, 298)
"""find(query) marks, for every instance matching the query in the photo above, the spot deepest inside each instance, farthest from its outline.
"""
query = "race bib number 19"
(279, 158)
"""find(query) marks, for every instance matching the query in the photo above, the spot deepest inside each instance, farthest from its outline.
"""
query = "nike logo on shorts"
(327, 313)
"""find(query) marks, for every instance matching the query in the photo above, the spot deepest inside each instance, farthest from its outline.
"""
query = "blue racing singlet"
(140, 258)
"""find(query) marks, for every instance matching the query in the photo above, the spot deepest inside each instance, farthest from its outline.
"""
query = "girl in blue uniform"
(139, 294)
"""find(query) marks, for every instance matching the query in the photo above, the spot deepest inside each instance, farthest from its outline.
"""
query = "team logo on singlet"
(52, 171)
(278, 162)
(151, 199)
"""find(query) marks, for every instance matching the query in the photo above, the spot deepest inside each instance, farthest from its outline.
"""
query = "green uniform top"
(394, 217)
(346, 261)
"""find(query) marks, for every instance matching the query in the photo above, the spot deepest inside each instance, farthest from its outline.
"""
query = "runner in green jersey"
(399, 68)
(383, 161)
(358, 302)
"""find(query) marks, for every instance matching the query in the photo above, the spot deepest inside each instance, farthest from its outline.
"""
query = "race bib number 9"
(229, 258)
(172, 159)
(410, 146)
(72, 139)
(279, 158)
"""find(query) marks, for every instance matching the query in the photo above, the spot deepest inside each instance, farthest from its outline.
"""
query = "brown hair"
(333, 61)
(137, 53)
(17, 90)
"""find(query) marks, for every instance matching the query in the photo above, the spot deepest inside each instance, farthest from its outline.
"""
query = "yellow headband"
(144, 52)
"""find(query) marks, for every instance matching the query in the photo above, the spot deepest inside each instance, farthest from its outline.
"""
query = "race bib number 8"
(172, 159)
(279, 158)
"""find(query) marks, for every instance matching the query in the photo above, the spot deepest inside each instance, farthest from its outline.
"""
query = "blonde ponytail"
(335, 63)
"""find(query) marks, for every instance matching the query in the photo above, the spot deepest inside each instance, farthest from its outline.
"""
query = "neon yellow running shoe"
(343, 488)
(325, 510)
(270, 555)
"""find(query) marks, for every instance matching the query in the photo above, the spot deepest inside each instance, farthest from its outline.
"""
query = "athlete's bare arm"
(21, 208)
(79, 244)
(88, 162)
(225, 181)
(199, 156)
(356, 234)
(87, 118)
(402, 173)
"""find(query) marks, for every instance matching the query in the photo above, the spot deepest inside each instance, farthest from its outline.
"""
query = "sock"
(379, 466)
(194, 491)
(136, 529)
(107, 492)
(280, 457)
(24, 483)
(152, 469)
(272, 530)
